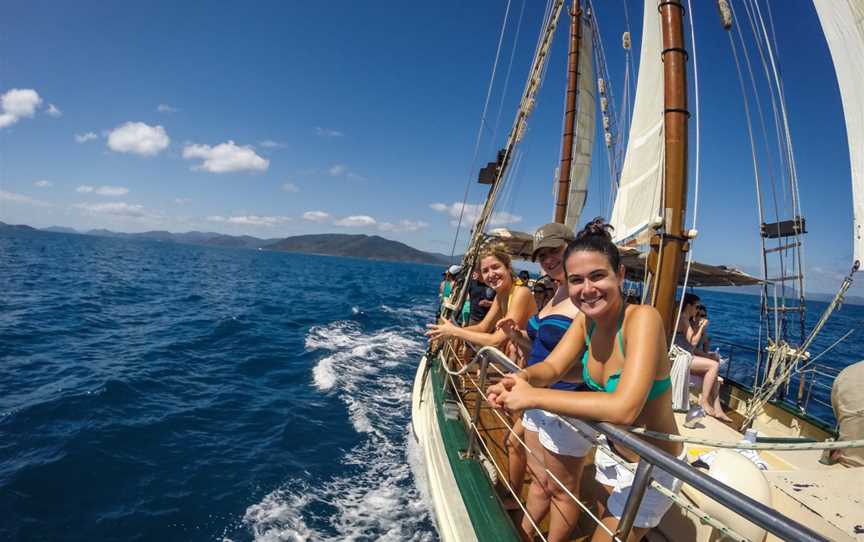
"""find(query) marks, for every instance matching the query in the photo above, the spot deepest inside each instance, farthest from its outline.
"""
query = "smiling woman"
(512, 301)
(623, 354)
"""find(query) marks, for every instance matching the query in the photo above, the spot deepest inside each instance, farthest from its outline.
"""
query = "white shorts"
(555, 435)
(654, 504)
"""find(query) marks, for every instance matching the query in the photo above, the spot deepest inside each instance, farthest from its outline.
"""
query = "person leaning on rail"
(624, 360)
(512, 301)
(554, 445)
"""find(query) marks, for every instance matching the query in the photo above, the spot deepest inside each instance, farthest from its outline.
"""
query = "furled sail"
(843, 24)
(583, 142)
(640, 189)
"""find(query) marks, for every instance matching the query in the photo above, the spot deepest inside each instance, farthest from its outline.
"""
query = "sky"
(285, 118)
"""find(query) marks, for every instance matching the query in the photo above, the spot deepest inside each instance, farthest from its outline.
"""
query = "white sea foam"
(377, 499)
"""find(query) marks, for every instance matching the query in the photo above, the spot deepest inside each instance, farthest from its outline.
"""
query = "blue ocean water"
(152, 391)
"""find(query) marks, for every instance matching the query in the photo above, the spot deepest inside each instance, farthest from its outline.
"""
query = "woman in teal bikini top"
(657, 388)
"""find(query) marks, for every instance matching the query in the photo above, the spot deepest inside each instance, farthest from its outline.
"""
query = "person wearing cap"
(554, 444)
(445, 288)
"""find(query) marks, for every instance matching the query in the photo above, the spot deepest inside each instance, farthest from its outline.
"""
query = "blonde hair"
(499, 252)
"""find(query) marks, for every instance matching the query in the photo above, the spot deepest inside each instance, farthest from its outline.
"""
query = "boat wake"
(375, 497)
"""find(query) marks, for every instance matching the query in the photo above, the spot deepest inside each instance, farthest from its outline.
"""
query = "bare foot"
(720, 415)
(708, 409)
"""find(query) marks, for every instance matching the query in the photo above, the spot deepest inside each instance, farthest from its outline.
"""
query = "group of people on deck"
(586, 353)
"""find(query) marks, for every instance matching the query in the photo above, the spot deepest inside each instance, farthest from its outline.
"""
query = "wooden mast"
(569, 114)
(670, 244)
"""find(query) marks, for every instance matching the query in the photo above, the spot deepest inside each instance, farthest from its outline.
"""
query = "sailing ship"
(797, 495)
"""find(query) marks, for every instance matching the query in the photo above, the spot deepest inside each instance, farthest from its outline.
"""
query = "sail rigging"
(638, 200)
(843, 24)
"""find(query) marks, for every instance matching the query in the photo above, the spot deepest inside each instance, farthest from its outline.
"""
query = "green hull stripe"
(490, 520)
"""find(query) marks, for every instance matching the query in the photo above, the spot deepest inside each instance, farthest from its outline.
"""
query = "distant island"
(372, 247)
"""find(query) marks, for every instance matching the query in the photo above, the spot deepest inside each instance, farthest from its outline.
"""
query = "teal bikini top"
(657, 388)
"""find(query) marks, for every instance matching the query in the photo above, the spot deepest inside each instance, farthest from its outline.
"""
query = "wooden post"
(668, 248)
(569, 114)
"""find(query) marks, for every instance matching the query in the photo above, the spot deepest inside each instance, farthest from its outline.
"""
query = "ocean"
(153, 391)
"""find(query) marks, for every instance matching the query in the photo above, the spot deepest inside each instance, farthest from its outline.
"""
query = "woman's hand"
(438, 331)
(513, 393)
(510, 327)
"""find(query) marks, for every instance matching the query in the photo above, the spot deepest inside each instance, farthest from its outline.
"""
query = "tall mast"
(670, 244)
(569, 114)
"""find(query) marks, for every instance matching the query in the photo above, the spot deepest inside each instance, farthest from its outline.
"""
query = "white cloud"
(356, 221)
(103, 190)
(17, 104)
(138, 138)
(472, 212)
(316, 216)
(112, 191)
(165, 108)
(328, 132)
(226, 157)
(115, 209)
(403, 225)
(85, 137)
(290, 187)
(53, 111)
(337, 169)
(182, 201)
(43, 184)
(270, 144)
(21, 198)
(250, 220)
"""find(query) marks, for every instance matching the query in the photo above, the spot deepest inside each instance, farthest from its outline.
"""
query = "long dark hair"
(595, 237)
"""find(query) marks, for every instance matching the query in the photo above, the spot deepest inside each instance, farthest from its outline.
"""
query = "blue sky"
(284, 118)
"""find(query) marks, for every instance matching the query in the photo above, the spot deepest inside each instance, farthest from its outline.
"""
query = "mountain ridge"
(371, 247)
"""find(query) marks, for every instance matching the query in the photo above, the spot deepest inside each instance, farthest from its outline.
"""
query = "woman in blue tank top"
(554, 445)
(625, 362)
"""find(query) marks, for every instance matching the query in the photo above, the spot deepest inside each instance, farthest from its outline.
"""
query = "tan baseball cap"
(551, 235)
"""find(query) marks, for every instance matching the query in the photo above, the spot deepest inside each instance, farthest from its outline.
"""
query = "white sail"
(843, 24)
(583, 143)
(640, 188)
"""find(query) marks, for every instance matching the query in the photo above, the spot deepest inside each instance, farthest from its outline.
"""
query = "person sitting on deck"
(554, 445)
(688, 335)
(623, 354)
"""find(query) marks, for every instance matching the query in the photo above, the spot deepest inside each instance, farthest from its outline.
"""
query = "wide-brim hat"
(551, 235)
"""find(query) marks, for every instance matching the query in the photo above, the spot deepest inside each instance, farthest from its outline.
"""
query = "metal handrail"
(651, 456)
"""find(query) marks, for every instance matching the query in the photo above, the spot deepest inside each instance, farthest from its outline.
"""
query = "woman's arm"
(645, 345)
(695, 336)
(521, 308)
(559, 361)
(477, 331)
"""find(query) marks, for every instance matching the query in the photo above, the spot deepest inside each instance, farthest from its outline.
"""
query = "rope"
(530, 451)
(742, 445)
(480, 128)
(505, 86)
(489, 456)
(676, 499)
(703, 516)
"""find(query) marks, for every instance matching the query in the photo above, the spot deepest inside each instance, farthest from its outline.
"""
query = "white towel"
(680, 376)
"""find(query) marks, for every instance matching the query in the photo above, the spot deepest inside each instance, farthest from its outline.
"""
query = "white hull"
(451, 516)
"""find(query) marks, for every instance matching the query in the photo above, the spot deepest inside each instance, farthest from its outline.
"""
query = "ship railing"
(650, 457)
(817, 378)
